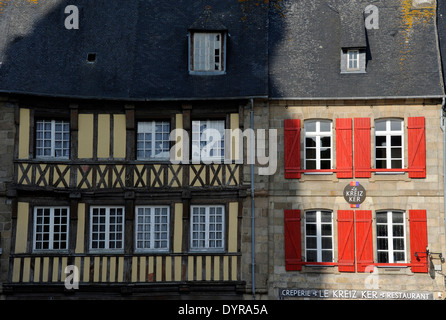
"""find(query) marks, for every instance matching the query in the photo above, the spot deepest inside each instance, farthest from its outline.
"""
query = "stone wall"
(274, 194)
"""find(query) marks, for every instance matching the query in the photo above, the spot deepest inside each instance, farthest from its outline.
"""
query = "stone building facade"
(278, 196)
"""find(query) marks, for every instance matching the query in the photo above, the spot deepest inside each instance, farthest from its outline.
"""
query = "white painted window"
(153, 140)
(353, 60)
(318, 144)
(207, 52)
(207, 227)
(152, 228)
(51, 228)
(52, 139)
(391, 237)
(389, 139)
(107, 228)
(319, 236)
(208, 140)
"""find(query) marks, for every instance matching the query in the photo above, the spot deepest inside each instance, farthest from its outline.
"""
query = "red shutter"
(418, 240)
(362, 148)
(364, 239)
(417, 146)
(292, 149)
(344, 148)
(293, 248)
(346, 241)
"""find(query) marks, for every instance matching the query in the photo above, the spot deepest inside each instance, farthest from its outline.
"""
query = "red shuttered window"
(344, 148)
(418, 241)
(346, 241)
(362, 148)
(292, 149)
(293, 247)
(417, 147)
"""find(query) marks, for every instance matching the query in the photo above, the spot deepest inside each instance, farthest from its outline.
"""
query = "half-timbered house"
(117, 189)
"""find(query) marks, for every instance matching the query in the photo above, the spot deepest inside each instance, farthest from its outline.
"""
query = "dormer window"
(207, 52)
(353, 60)
(207, 45)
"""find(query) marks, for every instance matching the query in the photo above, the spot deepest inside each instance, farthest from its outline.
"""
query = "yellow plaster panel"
(22, 227)
(80, 228)
(24, 133)
(85, 136)
(119, 136)
(103, 136)
(178, 228)
(233, 225)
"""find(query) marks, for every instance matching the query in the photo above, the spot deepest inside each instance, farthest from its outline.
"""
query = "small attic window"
(353, 60)
(207, 45)
(91, 58)
(207, 52)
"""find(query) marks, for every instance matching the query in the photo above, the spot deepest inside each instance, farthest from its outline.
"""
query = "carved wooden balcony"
(91, 176)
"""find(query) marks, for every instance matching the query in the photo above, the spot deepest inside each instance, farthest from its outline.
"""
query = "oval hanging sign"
(354, 194)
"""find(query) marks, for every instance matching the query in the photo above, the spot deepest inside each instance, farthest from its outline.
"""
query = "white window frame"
(205, 60)
(207, 229)
(318, 234)
(107, 226)
(388, 133)
(391, 237)
(354, 60)
(150, 127)
(151, 228)
(51, 229)
(199, 137)
(318, 134)
(52, 140)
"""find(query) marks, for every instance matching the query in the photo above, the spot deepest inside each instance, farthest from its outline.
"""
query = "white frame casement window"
(153, 140)
(391, 237)
(152, 228)
(106, 228)
(208, 141)
(207, 53)
(353, 60)
(207, 232)
(319, 236)
(52, 139)
(318, 145)
(389, 144)
(51, 228)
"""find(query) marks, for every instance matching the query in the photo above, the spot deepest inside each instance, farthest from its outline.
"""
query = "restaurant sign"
(354, 194)
(354, 294)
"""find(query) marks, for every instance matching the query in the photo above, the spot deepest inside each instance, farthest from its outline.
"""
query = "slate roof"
(306, 38)
(291, 51)
(141, 49)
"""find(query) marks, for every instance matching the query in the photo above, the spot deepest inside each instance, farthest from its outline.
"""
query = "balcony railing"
(119, 175)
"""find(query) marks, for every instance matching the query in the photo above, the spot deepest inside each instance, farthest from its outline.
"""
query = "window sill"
(354, 72)
(207, 73)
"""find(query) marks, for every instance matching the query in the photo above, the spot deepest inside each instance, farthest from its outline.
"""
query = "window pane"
(327, 256)
(396, 125)
(381, 141)
(396, 141)
(381, 153)
(380, 125)
(310, 126)
(310, 142)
